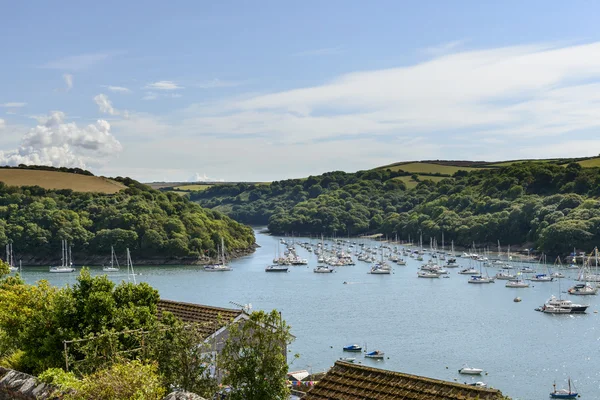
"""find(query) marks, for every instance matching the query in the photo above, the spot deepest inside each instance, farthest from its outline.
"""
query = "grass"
(590, 163)
(59, 180)
(429, 168)
(408, 181)
(200, 187)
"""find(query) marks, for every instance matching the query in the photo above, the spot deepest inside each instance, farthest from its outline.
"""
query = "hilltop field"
(57, 180)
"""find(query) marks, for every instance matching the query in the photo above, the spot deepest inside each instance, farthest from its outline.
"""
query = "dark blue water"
(427, 327)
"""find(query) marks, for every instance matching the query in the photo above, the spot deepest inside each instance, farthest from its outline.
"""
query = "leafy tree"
(254, 357)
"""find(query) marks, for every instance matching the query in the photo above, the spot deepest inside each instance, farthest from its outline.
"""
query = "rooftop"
(211, 319)
(347, 381)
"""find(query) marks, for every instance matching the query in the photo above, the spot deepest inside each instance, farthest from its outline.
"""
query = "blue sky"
(264, 90)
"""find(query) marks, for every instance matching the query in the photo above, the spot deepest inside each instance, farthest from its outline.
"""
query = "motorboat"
(583, 289)
(217, 268)
(427, 274)
(468, 271)
(401, 261)
(541, 278)
(478, 384)
(348, 359)
(564, 393)
(377, 354)
(527, 270)
(353, 348)
(505, 276)
(557, 275)
(378, 270)
(560, 306)
(322, 269)
(480, 279)
(470, 371)
(517, 283)
(276, 268)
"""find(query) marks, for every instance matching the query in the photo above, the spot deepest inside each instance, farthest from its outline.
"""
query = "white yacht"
(505, 275)
(114, 262)
(66, 262)
(560, 306)
(427, 274)
(583, 289)
(322, 269)
(517, 283)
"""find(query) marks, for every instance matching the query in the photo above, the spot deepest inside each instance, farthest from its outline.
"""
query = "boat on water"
(465, 370)
(583, 289)
(348, 359)
(527, 270)
(517, 283)
(477, 384)
(379, 270)
(557, 275)
(505, 275)
(468, 271)
(560, 306)
(10, 258)
(401, 261)
(564, 393)
(220, 266)
(66, 260)
(427, 274)
(276, 268)
(480, 279)
(322, 269)
(376, 354)
(353, 348)
(541, 278)
(114, 262)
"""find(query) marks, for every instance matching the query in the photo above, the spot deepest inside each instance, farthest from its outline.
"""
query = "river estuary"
(429, 327)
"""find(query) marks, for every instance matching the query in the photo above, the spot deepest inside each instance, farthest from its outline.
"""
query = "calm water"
(427, 327)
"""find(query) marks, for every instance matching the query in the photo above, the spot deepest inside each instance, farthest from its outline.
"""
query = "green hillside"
(552, 204)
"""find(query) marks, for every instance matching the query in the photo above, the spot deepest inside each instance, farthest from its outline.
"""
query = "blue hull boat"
(354, 348)
(563, 393)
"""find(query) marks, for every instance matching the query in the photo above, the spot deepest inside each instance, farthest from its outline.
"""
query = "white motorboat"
(470, 371)
(427, 274)
(517, 283)
(505, 276)
(322, 269)
(583, 289)
(276, 268)
(557, 275)
(527, 270)
(560, 306)
(377, 270)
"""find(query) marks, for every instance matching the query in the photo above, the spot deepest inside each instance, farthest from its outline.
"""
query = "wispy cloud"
(68, 81)
(325, 51)
(217, 83)
(13, 105)
(78, 62)
(444, 48)
(163, 85)
(117, 89)
(150, 96)
(104, 105)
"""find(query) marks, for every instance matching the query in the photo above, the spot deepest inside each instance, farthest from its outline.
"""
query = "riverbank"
(80, 259)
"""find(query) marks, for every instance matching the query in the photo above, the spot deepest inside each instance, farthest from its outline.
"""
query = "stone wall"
(17, 385)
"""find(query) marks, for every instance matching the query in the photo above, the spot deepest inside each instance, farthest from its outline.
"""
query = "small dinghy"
(353, 348)
(348, 359)
(375, 354)
(470, 371)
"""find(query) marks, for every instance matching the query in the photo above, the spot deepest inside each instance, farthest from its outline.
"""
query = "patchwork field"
(59, 180)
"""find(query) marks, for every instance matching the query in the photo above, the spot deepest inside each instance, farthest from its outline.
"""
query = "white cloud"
(104, 105)
(163, 85)
(68, 81)
(197, 177)
(118, 89)
(78, 62)
(13, 105)
(59, 143)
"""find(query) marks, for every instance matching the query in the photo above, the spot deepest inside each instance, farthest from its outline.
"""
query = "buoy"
(517, 299)
(595, 311)
(446, 367)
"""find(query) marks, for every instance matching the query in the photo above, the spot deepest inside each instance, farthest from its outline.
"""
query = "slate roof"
(211, 319)
(347, 381)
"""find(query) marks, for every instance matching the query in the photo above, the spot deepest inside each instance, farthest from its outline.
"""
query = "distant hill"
(59, 180)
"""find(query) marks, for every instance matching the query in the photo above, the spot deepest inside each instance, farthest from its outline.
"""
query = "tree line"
(550, 206)
(149, 222)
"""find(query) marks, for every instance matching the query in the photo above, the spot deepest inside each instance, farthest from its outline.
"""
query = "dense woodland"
(148, 222)
(553, 207)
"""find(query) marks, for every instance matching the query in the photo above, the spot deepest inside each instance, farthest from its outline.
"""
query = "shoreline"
(82, 260)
